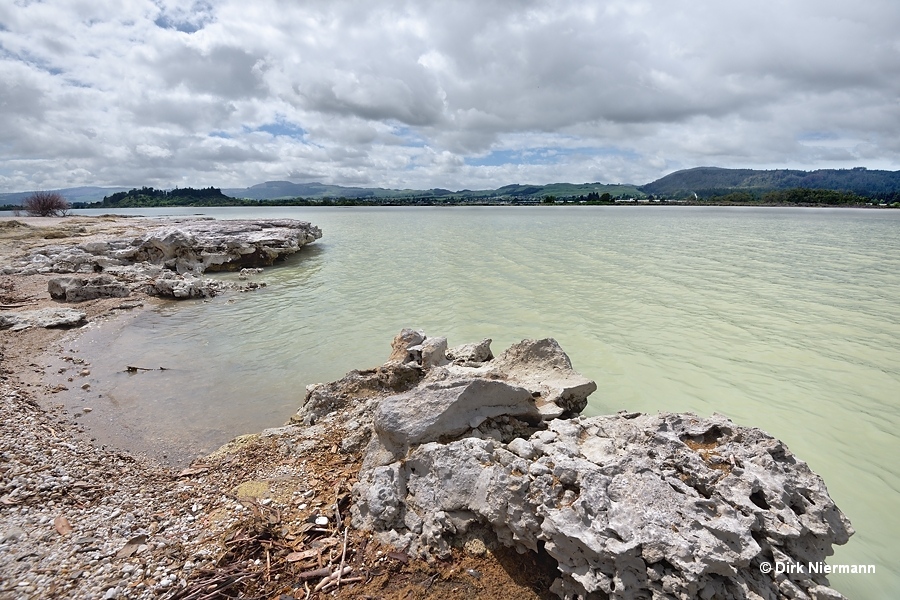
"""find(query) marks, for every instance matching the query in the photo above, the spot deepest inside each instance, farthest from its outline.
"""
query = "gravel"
(50, 476)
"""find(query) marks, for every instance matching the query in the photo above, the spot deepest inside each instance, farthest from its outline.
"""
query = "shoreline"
(86, 521)
(98, 523)
(7, 213)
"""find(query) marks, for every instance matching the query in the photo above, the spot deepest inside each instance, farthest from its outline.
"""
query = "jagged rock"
(79, 289)
(642, 507)
(204, 245)
(167, 260)
(44, 317)
(357, 392)
(471, 354)
(403, 343)
(629, 506)
(448, 408)
(542, 367)
(184, 286)
(431, 352)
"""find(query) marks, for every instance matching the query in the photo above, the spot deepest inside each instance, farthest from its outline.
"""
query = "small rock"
(13, 534)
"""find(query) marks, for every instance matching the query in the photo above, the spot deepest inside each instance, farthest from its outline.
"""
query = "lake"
(783, 319)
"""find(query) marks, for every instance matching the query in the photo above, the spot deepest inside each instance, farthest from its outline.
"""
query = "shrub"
(46, 204)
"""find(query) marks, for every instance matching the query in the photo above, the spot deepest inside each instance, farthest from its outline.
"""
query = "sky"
(468, 94)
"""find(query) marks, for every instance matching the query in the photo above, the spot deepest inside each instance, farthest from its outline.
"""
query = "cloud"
(456, 95)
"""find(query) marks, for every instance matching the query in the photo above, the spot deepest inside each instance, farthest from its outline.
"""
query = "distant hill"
(713, 181)
(274, 190)
(705, 182)
(73, 195)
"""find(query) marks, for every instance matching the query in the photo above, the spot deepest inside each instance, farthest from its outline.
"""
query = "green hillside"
(708, 182)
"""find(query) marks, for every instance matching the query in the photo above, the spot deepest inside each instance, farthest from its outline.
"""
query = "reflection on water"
(785, 319)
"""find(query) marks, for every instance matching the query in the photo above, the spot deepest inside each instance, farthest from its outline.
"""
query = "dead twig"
(324, 571)
(343, 557)
(211, 584)
(431, 581)
(16, 305)
(332, 578)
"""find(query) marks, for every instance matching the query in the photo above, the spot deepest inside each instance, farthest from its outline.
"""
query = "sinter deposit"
(48, 318)
(463, 448)
(166, 261)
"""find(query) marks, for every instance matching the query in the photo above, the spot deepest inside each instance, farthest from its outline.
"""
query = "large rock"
(471, 354)
(401, 346)
(229, 245)
(166, 261)
(79, 289)
(44, 317)
(448, 408)
(649, 506)
(629, 506)
(543, 367)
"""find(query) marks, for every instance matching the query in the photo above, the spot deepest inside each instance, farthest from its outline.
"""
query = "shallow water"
(783, 319)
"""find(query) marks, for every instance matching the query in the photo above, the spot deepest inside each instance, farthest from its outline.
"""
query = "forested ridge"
(711, 182)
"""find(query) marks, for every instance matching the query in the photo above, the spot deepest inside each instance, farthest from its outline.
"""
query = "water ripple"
(785, 319)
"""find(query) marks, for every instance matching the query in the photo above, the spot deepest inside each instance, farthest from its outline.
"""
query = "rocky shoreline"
(445, 472)
(165, 260)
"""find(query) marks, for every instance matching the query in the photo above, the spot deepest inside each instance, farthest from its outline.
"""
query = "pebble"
(107, 500)
(13, 534)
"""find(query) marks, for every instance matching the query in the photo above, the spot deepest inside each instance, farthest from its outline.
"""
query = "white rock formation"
(205, 245)
(44, 317)
(168, 260)
(629, 505)
(79, 289)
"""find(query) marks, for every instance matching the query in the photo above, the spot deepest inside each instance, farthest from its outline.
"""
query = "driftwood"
(133, 369)
(16, 305)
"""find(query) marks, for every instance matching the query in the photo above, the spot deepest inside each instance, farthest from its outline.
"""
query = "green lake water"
(783, 319)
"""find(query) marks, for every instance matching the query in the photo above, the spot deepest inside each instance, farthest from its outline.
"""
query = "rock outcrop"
(79, 289)
(629, 505)
(200, 246)
(167, 260)
(48, 318)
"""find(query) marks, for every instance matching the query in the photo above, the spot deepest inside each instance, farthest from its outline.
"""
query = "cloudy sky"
(462, 94)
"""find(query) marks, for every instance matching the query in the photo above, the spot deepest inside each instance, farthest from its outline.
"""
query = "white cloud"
(460, 94)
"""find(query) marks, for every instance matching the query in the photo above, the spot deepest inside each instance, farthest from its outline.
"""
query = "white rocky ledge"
(166, 260)
(628, 505)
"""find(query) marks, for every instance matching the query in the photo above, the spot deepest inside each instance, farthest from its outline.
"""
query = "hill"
(150, 197)
(742, 186)
(713, 181)
(275, 190)
(77, 194)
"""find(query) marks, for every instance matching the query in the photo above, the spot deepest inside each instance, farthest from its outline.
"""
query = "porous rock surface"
(44, 317)
(628, 505)
(166, 260)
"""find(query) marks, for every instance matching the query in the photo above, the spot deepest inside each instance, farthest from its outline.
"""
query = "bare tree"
(46, 204)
